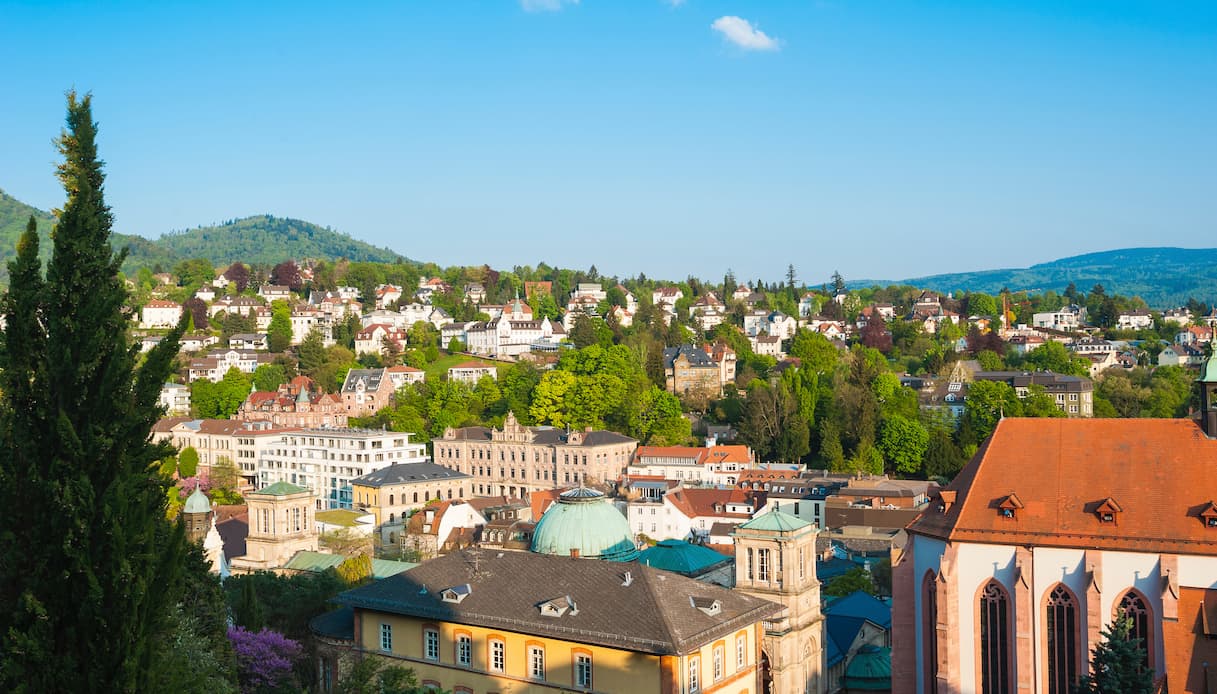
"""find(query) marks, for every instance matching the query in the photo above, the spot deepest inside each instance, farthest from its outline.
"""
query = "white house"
(160, 313)
(471, 372)
(175, 398)
(1138, 319)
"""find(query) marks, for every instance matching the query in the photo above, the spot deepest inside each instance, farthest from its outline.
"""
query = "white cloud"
(741, 32)
(545, 5)
(674, 3)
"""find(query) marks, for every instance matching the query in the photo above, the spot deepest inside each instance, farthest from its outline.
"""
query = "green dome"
(870, 670)
(197, 502)
(682, 557)
(583, 523)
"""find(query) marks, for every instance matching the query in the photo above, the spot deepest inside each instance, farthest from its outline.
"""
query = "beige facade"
(516, 459)
(775, 560)
(281, 522)
(391, 493)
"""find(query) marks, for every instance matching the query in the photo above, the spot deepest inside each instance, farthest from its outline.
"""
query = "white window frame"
(386, 637)
(536, 663)
(741, 651)
(498, 656)
(694, 674)
(431, 644)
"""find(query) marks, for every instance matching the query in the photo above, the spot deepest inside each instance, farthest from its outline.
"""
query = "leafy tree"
(549, 398)
(312, 353)
(814, 351)
(287, 274)
(455, 345)
(268, 377)
(903, 442)
(987, 403)
(377, 676)
(838, 283)
(875, 334)
(853, 580)
(194, 272)
(279, 335)
(188, 462)
(83, 589)
(1118, 663)
(356, 570)
(266, 660)
(831, 451)
(238, 274)
(583, 332)
(197, 309)
(990, 360)
(248, 612)
(1052, 356)
(943, 458)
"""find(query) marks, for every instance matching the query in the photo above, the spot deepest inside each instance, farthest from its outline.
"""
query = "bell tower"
(1208, 396)
(775, 560)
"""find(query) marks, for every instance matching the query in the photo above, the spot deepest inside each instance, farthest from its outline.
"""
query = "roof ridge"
(647, 574)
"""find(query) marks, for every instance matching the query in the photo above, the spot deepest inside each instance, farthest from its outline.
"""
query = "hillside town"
(459, 455)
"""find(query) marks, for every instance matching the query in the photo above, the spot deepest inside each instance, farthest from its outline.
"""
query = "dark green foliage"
(1118, 664)
(248, 612)
(219, 400)
(287, 602)
(378, 676)
(188, 462)
(88, 558)
(850, 581)
(279, 335)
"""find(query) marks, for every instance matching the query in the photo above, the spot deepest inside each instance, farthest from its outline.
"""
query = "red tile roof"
(1161, 474)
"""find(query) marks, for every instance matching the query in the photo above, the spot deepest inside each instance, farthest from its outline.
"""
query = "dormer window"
(1209, 515)
(456, 593)
(1009, 505)
(710, 606)
(1108, 510)
(946, 499)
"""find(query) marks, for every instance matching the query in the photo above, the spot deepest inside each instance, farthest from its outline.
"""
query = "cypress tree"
(87, 553)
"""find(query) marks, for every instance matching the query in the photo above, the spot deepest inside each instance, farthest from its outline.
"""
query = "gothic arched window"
(929, 632)
(994, 611)
(1061, 626)
(1134, 606)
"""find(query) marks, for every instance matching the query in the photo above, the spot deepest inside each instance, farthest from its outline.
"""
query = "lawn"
(439, 369)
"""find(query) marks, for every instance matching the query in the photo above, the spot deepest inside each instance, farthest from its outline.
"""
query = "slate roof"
(652, 614)
(697, 357)
(372, 378)
(1159, 471)
(406, 473)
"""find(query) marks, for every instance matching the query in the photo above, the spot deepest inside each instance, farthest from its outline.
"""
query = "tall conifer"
(85, 552)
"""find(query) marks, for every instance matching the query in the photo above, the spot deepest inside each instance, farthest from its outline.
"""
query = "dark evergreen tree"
(1118, 664)
(87, 552)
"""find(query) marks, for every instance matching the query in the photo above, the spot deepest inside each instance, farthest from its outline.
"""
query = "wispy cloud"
(545, 5)
(742, 33)
(674, 3)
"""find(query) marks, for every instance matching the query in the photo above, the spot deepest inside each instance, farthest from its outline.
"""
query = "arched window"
(390, 499)
(994, 611)
(1134, 606)
(1061, 627)
(929, 632)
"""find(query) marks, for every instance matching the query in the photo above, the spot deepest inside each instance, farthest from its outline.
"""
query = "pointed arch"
(995, 639)
(929, 632)
(1133, 604)
(1062, 640)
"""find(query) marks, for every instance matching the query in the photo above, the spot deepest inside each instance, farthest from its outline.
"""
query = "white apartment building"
(326, 460)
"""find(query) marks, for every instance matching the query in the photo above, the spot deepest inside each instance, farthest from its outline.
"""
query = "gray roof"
(696, 357)
(548, 436)
(407, 473)
(652, 614)
(371, 377)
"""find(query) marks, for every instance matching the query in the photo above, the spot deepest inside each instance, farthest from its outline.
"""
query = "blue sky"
(886, 139)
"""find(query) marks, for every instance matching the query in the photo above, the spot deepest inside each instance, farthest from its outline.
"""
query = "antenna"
(629, 578)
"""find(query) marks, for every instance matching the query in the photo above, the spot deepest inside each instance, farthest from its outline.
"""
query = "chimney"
(574, 552)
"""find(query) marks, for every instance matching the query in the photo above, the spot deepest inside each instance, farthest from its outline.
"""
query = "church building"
(1056, 528)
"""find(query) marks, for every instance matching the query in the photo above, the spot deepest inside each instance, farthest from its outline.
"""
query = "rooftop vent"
(629, 578)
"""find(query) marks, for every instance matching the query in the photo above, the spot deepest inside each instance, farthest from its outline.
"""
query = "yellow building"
(390, 493)
(512, 622)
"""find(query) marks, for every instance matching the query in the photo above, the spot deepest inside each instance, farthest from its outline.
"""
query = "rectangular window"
(464, 650)
(498, 656)
(536, 662)
(762, 565)
(583, 671)
(694, 674)
(741, 651)
(386, 638)
(431, 644)
(718, 663)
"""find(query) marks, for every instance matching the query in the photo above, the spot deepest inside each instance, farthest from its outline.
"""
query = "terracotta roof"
(696, 502)
(539, 501)
(472, 365)
(1158, 474)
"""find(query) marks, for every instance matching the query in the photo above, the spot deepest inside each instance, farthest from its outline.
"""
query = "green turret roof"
(777, 521)
(281, 489)
(1208, 372)
(870, 670)
(197, 502)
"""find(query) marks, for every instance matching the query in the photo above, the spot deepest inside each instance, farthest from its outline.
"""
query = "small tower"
(281, 523)
(1208, 396)
(197, 515)
(775, 560)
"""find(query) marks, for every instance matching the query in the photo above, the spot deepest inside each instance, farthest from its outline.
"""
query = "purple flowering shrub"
(265, 659)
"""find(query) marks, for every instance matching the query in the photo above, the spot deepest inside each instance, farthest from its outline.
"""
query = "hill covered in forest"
(258, 239)
(1163, 277)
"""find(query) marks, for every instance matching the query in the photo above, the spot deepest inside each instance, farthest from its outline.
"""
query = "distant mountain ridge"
(1163, 276)
(257, 239)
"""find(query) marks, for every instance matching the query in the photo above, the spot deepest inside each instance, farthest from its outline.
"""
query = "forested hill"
(266, 239)
(260, 239)
(1163, 277)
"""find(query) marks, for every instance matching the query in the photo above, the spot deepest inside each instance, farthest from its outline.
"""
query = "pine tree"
(86, 550)
(1118, 663)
